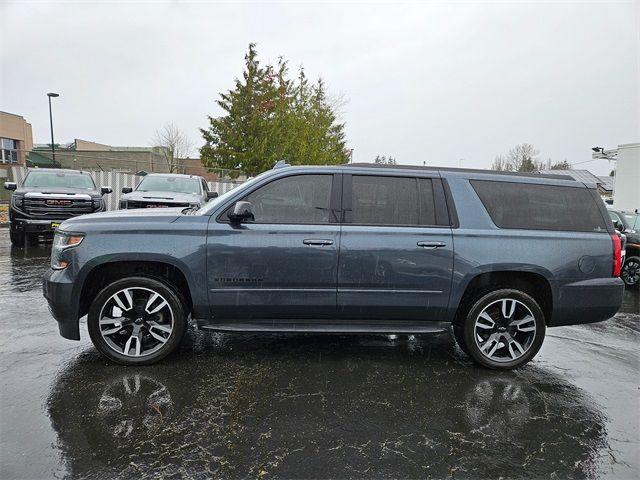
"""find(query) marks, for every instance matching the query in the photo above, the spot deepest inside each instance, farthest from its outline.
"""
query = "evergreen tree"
(269, 118)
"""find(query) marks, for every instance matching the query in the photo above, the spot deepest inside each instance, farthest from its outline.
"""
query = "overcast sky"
(425, 82)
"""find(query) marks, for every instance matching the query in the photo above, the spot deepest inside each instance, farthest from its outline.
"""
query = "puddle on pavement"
(230, 405)
(330, 406)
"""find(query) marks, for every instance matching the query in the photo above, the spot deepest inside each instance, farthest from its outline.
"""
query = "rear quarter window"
(540, 207)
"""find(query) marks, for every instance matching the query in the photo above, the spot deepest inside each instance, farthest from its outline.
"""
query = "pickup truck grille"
(143, 204)
(57, 207)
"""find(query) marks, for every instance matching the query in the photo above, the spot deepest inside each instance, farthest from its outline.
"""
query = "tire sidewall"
(179, 319)
(626, 263)
(476, 309)
(16, 237)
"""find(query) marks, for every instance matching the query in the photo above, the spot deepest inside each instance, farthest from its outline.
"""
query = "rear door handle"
(317, 241)
(431, 245)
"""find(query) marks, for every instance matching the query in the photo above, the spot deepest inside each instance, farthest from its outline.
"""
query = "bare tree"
(521, 158)
(176, 145)
(500, 164)
(382, 160)
(524, 158)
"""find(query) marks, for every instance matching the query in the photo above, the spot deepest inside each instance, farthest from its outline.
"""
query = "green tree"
(268, 117)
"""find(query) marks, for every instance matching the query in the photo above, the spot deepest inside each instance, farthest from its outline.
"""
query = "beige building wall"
(86, 145)
(15, 127)
(128, 161)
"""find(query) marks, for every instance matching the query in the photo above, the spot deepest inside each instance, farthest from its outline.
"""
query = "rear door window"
(540, 207)
(387, 200)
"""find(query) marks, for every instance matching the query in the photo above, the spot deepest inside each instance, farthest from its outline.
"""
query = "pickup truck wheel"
(32, 239)
(504, 329)
(17, 238)
(136, 321)
(630, 273)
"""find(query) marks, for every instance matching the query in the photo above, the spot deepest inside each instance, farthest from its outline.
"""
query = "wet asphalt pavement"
(304, 406)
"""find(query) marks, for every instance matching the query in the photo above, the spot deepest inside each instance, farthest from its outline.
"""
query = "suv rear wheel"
(504, 329)
(136, 321)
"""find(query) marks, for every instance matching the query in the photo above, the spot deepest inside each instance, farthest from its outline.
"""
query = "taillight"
(617, 255)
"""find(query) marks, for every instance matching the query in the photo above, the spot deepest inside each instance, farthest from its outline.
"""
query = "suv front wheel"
(136, 321)
(503, 329)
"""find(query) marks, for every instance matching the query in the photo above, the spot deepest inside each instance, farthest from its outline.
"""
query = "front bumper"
(587, 301)
(35, 226)
(57, 288)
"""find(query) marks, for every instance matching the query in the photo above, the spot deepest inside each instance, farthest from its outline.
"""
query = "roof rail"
(463, 170)
(281, 164)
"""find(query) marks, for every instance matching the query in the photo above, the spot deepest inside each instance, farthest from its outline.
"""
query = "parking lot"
(305, 406)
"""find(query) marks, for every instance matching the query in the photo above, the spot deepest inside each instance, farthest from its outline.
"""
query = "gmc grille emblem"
(58, 202)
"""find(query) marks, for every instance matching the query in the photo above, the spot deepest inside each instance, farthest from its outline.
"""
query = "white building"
(626, 190)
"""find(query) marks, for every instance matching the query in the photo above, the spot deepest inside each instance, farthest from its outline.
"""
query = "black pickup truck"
(46, 198)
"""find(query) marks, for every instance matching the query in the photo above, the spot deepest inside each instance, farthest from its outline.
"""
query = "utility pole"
(53, 146)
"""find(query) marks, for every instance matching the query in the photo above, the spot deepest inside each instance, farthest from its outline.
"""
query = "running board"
(322, 327)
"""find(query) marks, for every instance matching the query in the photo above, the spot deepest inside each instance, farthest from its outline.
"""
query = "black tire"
(631, 272)
(32, 239)
(171, 315)
(458, 334)
(17, 238)
(513, 347)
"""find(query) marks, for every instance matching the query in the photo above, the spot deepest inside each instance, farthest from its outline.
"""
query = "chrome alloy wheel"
(505, 330)
(631, 271)
(136, 321)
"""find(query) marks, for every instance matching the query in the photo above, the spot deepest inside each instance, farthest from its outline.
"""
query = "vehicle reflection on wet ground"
(360, 406)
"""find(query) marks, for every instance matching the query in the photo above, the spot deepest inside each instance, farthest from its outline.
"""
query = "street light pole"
(53, 148)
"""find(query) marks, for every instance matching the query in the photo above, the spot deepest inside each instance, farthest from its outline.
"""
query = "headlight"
(62, 241)
(123, 204)
(97, 203)
(17, 201)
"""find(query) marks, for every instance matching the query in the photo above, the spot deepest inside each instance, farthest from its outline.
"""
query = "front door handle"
(431, 245)
(317, 241)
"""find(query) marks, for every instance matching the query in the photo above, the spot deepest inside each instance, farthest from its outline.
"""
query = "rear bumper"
(587, 301)
(58, 290)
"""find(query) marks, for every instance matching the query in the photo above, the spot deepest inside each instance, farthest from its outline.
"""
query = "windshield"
(59, 179)
(212, 204)
(169, 184)
(633, 219)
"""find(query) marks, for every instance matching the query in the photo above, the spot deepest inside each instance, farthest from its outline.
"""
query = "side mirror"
(211, 195)
(618, 226)
(127, 189)
(105, 190)
(242, 212)
(10, 185)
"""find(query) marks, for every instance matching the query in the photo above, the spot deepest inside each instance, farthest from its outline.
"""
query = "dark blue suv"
(352, 248)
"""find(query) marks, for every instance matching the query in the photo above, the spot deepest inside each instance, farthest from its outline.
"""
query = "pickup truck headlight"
(62, 241)
(17, 201)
